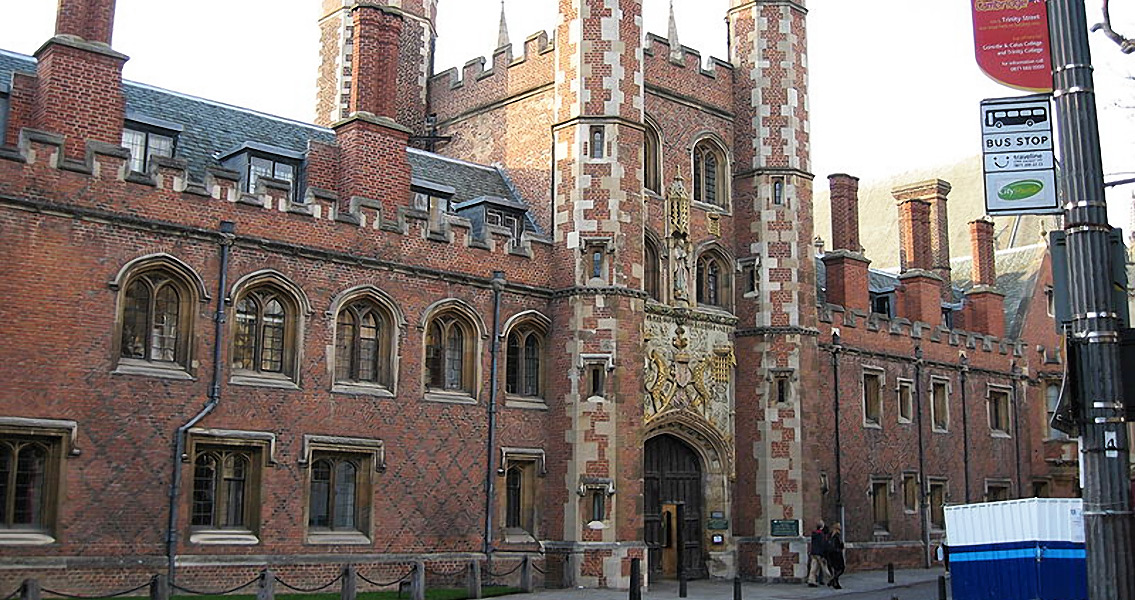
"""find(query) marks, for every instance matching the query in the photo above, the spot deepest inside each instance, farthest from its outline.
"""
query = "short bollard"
(266, 589)
(890, 572)
(737, 588)
(30, 590)
(941, 587)
(159, 587)
(681, 585)
(349, 589)
(635, 592)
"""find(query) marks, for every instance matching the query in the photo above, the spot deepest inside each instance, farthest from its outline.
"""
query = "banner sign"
(1011, 40)
(1016, 146)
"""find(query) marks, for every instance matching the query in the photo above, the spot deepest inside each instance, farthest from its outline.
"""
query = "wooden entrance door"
(672, 477)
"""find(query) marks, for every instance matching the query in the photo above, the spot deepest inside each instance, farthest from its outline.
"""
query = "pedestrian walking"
(817, 563)
(835, 555)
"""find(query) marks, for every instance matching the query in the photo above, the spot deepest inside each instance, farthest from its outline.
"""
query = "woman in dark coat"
(835, 555)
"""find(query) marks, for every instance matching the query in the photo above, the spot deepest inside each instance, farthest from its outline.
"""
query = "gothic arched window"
(450, 353)
(364, 338)
(710, 174)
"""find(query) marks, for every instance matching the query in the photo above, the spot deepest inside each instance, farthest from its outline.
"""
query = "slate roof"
(1017, 273)
(212, 129)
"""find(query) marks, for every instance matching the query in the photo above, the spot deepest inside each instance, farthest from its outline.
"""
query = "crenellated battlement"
(863, 328)
(454, 93)
(682, 72)
(112, 188)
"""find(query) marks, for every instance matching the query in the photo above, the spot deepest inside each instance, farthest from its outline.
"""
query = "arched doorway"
(672, 480)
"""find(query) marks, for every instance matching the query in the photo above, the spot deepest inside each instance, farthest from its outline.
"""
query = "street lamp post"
(1095, 319)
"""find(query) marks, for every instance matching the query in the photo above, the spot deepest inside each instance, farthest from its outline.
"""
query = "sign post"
(1096, 321)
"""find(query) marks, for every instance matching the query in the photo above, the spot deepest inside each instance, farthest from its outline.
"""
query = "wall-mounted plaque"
(785, 528)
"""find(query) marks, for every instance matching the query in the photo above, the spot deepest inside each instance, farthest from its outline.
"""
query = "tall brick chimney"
(984, 306)
(338, 50)
(78, 84)
(845, 265)
(372, 145)
(374, 69)
(920, 298)
(937, 191)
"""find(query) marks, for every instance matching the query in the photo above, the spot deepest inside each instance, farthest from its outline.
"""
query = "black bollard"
(890, 572)
(681, 585)
(941, 587)
(636, 579)
(737, 587)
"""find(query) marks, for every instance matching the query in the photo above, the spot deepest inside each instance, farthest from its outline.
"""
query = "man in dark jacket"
(817, 564)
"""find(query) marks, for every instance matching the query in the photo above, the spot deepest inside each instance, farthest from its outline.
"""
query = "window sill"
(517, 535)
(525, 402)
(333, 538)
(1000, 434)
(25, 538)
(219, 537)
(903, 421)
(939, 430)
(449, 397)
(872, 425)
(361, 389)
(263, 380)
(145, 368)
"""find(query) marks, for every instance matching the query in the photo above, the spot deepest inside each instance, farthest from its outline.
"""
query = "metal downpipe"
(498, 284)
(226, 241)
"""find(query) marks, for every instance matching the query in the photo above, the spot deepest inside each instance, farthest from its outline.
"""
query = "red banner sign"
(1011, 41)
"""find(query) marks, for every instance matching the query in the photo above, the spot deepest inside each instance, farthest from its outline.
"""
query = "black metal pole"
(680, 541)
(836, 348)
(1017, 433)
(498, 287)
(923, 487)
(635, 591)
(964, 376)
(1095, 321)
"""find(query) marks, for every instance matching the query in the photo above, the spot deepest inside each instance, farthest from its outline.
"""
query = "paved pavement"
(910, 584)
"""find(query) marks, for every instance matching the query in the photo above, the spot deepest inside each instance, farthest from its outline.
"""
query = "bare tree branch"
(1126, 45)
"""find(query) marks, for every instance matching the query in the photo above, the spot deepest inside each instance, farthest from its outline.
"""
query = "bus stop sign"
(1017, 149)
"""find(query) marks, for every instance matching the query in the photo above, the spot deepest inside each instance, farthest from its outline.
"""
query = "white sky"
(894, 85)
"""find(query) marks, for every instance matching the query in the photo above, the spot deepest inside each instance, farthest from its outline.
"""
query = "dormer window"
(257, 161)
(510, 221)
(4, 93)
(261, 166)
(881, 304)
(146, 138)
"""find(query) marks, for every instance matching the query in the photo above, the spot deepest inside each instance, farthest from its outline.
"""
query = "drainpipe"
(227, 234)
(836, 349)
(498, 287)
(924, 491)
(964, 374)
(1016, 370)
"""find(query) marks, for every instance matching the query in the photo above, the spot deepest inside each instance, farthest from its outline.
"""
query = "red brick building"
(585, 326)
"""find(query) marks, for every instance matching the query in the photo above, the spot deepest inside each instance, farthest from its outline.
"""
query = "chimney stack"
(921, 295)
(90, 20)
(845, 265)
(374, 68)
(984, 307)
(78, 83)
(372, 145)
